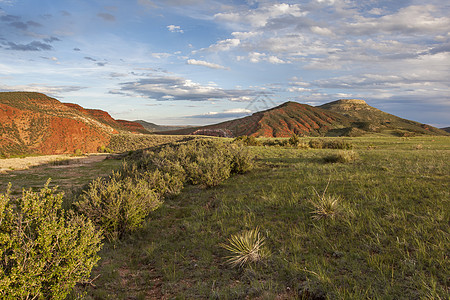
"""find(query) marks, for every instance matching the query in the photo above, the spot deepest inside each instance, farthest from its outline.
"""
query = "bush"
(316, 144)
(330, 144)
(203, 162)
(44, 250)
(118, 205)
(294, 140)
(247, 140)
(342, 157)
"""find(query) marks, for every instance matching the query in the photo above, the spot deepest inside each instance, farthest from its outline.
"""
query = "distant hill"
(446, 129)
(349, 117)
(35, 123)
(372, 119)
(152, 127)
(281, 121)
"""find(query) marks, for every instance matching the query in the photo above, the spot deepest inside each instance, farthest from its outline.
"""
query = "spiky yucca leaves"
(326, 206)
(246, 247)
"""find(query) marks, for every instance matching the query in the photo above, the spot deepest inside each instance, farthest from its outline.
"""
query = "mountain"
(349, 117)
(372, 119)
(280, 121)
(446, 129)
(35, 123)
(152, 127)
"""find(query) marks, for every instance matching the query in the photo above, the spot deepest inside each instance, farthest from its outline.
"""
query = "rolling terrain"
(372, 119)
(33, 123)
(152, 127)
(348, 117)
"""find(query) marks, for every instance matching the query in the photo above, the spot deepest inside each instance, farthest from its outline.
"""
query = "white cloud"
(178, 88)
(205, 64)
(55, 90)
(161, 55)
(261, 16)
(224, 45)
(321, 31)
(175, 28)
(411, 19)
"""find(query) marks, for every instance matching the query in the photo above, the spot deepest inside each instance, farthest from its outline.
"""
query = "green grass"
(390, 239)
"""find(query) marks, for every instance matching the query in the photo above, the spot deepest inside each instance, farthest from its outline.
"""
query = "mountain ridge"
(33, 123)
(344, 117)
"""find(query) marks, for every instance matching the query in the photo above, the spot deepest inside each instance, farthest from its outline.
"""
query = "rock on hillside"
(35, 123)
(281, 121)
(374, 120)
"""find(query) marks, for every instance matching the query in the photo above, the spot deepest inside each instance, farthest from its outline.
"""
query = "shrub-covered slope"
(372, 119)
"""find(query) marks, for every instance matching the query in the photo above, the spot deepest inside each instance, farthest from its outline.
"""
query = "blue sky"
(201, 62)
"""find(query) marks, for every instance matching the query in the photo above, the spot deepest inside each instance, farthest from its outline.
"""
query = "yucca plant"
(326, 206)
(246, 247)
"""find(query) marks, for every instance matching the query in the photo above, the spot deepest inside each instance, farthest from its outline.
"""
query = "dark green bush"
(342, 157)
(294, 140)
(247, 140)
(316, 144)
(330, 144)
(204, 162)
(338, 144)
(44, 250)
(118, 205)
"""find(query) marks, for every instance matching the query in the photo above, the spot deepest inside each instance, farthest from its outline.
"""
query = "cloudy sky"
(202, 62)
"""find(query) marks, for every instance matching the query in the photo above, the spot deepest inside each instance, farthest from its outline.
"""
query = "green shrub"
(316, 144)
(346, 156)
(330, 144)
(294, 140)
(118, 205)
(44, 250)
(204, 162)
(247, 140)
(337, 144)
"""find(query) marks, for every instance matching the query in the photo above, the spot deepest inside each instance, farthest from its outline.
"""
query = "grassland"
(386, 238)
(373, 227)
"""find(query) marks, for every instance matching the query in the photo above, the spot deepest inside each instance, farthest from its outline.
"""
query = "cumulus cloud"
(175, 28)
(205, 64)
(178, 88)
(261, 16)
(224, 45)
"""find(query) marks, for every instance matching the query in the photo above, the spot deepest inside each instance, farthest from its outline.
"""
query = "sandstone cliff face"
(34, 123)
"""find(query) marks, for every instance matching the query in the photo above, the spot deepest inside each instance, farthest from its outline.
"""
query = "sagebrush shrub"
(342, 157)
(44, 250)
(203, 162)
(247, 140)
(118, 205)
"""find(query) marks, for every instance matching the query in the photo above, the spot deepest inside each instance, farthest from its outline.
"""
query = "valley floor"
(385, 237)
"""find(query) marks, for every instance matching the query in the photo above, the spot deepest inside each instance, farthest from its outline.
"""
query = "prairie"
(372, 227)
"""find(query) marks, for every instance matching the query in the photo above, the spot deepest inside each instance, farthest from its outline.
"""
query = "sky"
(197, 62)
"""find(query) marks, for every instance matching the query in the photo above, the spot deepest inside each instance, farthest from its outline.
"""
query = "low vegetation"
(293, 227)
(44, 250)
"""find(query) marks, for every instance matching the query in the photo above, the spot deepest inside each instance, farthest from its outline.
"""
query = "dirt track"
(12, 164)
